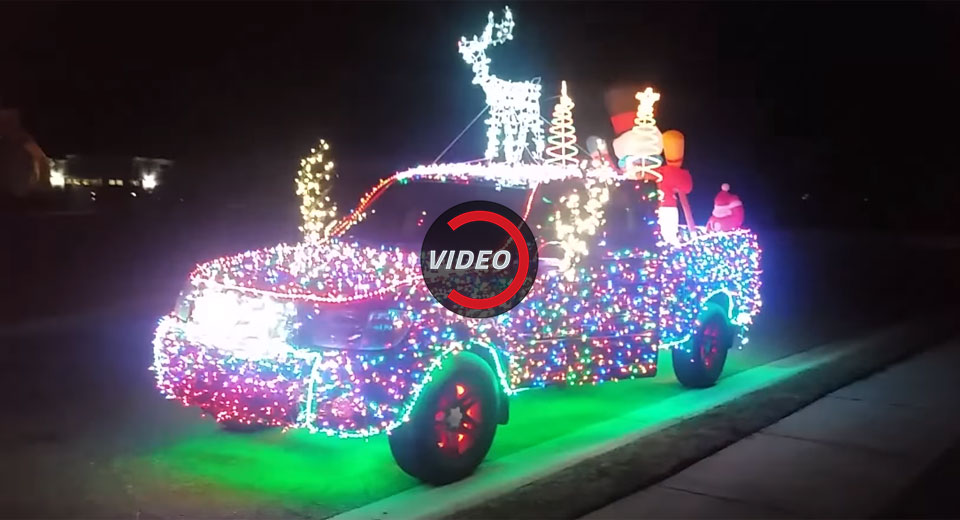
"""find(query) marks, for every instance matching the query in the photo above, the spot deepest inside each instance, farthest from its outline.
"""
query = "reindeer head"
(474, 49)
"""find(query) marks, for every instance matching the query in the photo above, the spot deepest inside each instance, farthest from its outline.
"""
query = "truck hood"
(332, 271)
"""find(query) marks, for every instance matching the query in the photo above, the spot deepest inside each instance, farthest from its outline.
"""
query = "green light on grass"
(315, 475)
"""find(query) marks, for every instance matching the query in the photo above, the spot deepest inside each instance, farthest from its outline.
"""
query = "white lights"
(518, 175)
(577, 218)
(57, 178)
(149, 181)
(150, 170)
(314, 179)
(514, 105)
(254, 325)
(650, 143)
(563, 136)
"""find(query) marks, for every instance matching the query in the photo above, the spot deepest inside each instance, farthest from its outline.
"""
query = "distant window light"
(149, 181)
(56, 178)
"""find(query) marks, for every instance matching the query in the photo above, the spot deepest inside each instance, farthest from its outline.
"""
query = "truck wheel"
(452, 424)
(699, 362)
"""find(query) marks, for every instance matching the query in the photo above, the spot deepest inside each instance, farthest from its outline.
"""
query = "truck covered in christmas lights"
(341, 336)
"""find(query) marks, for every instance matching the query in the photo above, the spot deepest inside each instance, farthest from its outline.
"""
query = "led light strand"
(519, 175)
(514, 105)
(651, 141)
(558, 335)
(577, 219)
(587, 331)
(314, 180)
(563, 137)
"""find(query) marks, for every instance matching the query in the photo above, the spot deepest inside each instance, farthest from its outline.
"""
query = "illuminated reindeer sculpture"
(514, 105)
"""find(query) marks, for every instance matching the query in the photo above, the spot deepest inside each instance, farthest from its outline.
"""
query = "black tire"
(699, 362)
(428, 446)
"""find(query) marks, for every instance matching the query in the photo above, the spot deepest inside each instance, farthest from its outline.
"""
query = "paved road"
(847, 455)
(87, 435)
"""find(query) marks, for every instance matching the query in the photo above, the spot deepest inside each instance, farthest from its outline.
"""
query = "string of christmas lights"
(514, 105)
(651, 140)
(563, 136)
(577, 219)
(314, 179)
(250, 341)
(518, 175)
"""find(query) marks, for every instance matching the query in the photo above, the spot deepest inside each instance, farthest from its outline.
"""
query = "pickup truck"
(341, 336)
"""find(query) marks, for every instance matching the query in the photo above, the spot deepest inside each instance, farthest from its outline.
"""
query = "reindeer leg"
(493, 133)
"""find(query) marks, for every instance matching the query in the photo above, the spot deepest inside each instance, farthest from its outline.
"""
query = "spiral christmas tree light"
(314, 181)
(563, 138)
(651, 139)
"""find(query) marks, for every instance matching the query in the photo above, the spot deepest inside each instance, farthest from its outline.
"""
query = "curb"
(635, 466)
(602, 463)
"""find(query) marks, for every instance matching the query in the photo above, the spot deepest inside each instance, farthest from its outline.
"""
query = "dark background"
(850, 103)
(843, 102)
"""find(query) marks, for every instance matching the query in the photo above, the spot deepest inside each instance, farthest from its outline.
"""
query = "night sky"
(845, 102)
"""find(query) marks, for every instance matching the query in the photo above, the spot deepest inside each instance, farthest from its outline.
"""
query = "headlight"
(236, 320)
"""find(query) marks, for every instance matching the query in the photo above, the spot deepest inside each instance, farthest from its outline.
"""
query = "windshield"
(404, 212)
(629, 215)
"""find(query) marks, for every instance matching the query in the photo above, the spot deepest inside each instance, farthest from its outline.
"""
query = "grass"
(273, 473)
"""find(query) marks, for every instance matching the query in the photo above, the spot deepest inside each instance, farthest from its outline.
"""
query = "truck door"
(537, 333)
(621, 308)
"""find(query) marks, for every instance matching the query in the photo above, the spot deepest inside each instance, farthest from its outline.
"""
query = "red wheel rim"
(457, 418)
(709, 343)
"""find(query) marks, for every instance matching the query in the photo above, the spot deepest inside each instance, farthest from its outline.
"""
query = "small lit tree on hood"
(314, 182)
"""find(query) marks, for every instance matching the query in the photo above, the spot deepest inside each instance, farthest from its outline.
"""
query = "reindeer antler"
(514, 105)
(475, 46)
(504, 28)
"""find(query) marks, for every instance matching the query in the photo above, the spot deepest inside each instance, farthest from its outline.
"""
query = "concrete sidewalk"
(847, 455)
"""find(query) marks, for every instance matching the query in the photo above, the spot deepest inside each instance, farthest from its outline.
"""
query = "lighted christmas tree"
(651, 141)
(563, 137)
(314, 181)
(579, 215)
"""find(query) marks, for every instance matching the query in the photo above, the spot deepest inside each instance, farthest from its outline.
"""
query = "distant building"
(137, 173)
